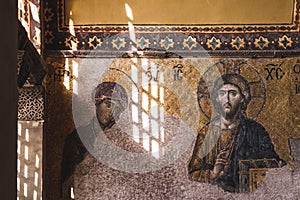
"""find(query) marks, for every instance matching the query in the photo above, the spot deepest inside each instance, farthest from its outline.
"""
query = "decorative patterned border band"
(58, 36)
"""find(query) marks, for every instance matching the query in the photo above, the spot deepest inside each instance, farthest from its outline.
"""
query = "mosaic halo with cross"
(228, 66)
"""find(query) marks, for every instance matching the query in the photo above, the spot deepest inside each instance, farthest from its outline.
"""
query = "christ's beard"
(228, 111)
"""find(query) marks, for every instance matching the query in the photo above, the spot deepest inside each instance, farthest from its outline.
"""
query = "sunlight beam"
(128, 11)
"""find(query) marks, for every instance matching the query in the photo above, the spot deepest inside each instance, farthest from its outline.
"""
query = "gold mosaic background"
(178, 12)
(280, 114)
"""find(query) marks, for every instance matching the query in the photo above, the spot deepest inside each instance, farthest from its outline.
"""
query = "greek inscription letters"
(177, 72)
(274, 71)
(296, 70)
(150, 75)
(297, 67)
(297, 88)
(61, 72)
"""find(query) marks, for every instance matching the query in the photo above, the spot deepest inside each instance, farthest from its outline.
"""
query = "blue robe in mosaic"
(251, 142)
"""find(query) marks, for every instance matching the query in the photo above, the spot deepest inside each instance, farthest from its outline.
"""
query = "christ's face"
(229, 99)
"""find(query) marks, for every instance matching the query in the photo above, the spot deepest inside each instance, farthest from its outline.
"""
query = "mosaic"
(174, 12)
(170, 111)
(28, 15)
(175, 38)
(172, 128)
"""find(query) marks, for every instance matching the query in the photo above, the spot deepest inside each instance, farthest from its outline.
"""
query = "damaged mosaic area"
(163, 104)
